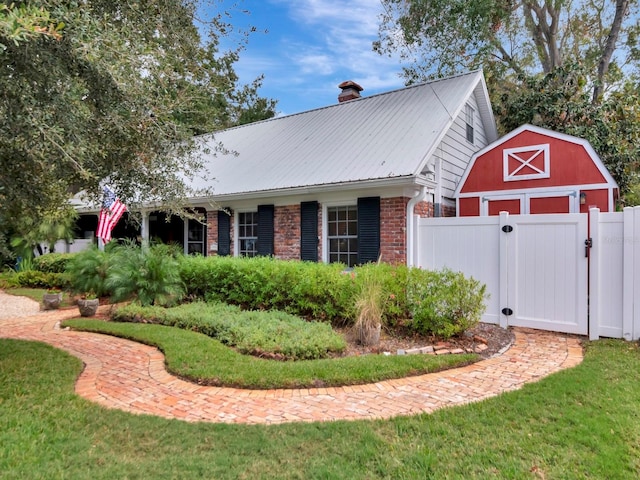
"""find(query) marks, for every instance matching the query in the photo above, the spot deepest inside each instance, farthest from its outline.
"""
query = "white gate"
(547, 279)
(534, 266)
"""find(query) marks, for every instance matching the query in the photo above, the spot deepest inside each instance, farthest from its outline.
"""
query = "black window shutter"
(309, 231)
(368, 229)
(224, 233)
(265, 229)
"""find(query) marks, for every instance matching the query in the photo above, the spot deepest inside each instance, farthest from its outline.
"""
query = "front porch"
(156, 227)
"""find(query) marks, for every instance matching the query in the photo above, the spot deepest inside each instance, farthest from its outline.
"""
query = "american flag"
(112, 210)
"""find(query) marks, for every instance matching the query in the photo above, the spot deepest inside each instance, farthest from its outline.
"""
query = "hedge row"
(442, 302)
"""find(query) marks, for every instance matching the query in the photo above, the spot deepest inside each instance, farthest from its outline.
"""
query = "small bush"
(8, 279)
(87, 271)
(149, 275)
(36, 279)
(52, 262)
(444, 303)
(272, 334)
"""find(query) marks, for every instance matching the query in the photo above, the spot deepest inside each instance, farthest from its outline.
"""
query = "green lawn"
(579, 423)
(206, 361)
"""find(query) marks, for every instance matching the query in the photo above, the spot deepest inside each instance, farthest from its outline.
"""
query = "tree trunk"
(622, 7)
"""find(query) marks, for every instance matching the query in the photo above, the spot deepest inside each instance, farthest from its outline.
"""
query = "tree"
(31, 234)
(110, 90)
(512, 38)
(566, 65)
(558, 101)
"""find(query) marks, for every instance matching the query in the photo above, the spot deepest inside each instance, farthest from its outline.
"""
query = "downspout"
(417, 198)
(437, 207)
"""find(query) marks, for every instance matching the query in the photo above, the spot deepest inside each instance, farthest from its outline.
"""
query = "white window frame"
(187, 241)
(525, 200)
(236, 232)
(469, 117)
(325, 225)
(536, 151)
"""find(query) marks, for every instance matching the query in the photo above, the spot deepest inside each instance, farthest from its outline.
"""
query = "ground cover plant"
(577, 424)
(205, 360)
(271, 334)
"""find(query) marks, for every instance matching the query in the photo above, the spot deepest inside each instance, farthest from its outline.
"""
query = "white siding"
(456, 151)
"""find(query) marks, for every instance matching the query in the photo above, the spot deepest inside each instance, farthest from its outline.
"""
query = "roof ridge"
(333, 105)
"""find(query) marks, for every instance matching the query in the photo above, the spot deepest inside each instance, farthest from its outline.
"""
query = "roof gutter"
(417, 198)
(313, 189)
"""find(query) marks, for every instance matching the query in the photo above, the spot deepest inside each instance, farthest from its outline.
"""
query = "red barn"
(534, 170)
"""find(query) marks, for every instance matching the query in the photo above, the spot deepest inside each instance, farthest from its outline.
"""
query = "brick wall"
(393, 232)
(424, 209)
(393, 229)
(212, 230)
(286, 232)
(448, 210)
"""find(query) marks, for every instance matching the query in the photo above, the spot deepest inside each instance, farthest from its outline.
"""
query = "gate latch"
(588, 243)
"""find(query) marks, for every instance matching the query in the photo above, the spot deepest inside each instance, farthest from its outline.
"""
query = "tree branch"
(622, 7)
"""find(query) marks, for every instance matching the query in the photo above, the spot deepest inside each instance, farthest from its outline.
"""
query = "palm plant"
(88, 271)
(151, 276)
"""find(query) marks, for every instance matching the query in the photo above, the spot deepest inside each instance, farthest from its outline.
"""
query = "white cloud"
(315, 63)
(311, 47)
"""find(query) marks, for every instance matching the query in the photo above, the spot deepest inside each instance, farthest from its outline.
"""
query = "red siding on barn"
(469, 207)
(570, 165)
(596, 198)
(549, 205)
(534, 171)
(511, 206)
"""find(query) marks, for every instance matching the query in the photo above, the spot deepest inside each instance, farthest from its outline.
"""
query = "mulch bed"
(494, 337)
(491, 339)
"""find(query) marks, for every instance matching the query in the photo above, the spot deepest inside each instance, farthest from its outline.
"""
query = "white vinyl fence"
(573, 273)
(615, 274)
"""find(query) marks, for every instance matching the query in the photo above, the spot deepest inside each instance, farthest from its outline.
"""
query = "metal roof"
(384, 136)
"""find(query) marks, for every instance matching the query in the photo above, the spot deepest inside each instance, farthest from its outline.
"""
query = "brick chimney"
(350, 91)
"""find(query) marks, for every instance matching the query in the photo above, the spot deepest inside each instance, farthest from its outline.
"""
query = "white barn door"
(547, 268)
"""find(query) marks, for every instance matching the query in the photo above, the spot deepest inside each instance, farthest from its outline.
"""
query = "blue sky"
(310, 47)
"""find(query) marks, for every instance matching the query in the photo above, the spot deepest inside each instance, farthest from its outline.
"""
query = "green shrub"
(8, 279)
(36, 279)
(87, 271)
(151, 275)
(444, 303)
(52, 262)
(271, 334)
(440, 303)
(310, 290)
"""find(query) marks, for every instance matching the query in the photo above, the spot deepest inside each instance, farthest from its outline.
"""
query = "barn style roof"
(381, 138)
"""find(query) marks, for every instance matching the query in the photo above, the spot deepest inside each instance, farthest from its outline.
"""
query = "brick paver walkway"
(129, 376)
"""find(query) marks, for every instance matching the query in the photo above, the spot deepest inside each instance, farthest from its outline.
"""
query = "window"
(342, 234)
(195, 236)
(248, 234)
(469, 113)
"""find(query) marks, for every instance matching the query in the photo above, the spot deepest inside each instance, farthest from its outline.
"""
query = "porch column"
(144, 229)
